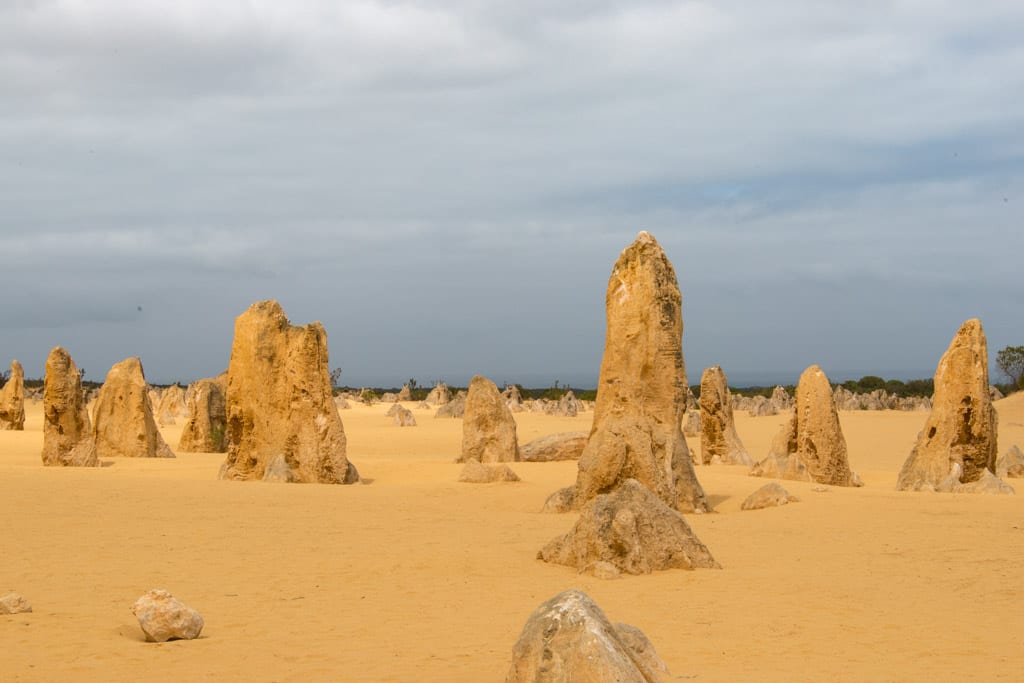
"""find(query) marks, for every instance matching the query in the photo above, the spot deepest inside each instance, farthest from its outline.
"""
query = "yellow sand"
(415, 577)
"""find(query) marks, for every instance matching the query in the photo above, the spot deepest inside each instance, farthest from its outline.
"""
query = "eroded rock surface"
(401, 416)
(474, 472)
(488, 428)
(67, 430)
(719, 442)
(811, 444)
(12, 400)
(123, 423)
(632, 529)
(163, 617)
(279, 401)
(12, 603)
(960, 433)
(560, 446)
(641, 393)
(568, 638)
(206, 405)
(769, 495)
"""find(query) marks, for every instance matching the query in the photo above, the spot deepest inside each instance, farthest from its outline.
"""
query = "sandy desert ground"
(415, 577)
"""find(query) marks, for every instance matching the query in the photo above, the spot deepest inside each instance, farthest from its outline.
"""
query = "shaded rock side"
(67, 430)
(474, 472)
(439, 395)
(163, 617)
(12, 400)
(569, 638)
(123, 424)
(454, 408)
(488, 428)
(641, 392)
(961, 429)
(691, 423)
(279, 401)
(206, 405)
(633, 530)
(812, 442)
(560, 446)
(172, 405)
(769, 495)
(719, 442)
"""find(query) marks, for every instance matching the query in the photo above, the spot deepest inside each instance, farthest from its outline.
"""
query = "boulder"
(171, 405)
(1011, 463)
(389, 397)
(279, 401)
(641, 394)
(401, 415)
(206, 428)
(488, 428)
(568, 638)
(12, 603)
(811, 443)
(474, 472)
(163, 617)
(456, 407)
(719, 442)
(12, 400)
(123, 424)
(632, 529)
(67, 430)
(768, 496)
(560, 446)
(960, 432)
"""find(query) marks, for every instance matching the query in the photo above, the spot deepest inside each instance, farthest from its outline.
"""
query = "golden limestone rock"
(12, 400)
(279, 401)
(171, 405)
(719, 442)
(206, 406)
(959, 437)
(123, 424)
(641, 394)
(67, 431)
(488, 428)
(811, 445)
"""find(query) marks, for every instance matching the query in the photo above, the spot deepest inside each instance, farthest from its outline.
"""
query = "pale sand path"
(418, 578)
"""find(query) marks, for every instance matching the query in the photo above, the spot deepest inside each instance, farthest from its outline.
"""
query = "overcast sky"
(446, 185)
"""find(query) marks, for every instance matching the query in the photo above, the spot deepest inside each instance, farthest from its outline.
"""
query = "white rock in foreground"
(163, 617)
(13, 603)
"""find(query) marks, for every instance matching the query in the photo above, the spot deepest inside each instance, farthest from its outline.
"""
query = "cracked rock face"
(961, 429)
(279, 401)
(641, 394)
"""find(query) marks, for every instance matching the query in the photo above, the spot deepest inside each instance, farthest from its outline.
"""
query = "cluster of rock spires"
(878, 399)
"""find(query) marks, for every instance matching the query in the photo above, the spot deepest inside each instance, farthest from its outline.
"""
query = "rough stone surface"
(405, 394)
(206, 428)
(488, 428)
(279, 401)
(439, 395)
(278, 471)
(1011, 463)
(641, 394)
(12, 603)
(12, 400)
(719, 442)
(163, 617)
(768, 496)
(123, 424)
(560, 446)
(456, 407)
(171, 406)
(812, 436)
(474, 472)
(961, 429)
(401, 416)
(67, 430)
(632, 529)
(568, 638)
